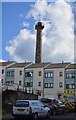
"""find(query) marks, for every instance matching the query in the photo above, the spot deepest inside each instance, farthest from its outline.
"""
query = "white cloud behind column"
(58, 36)
(21, 48)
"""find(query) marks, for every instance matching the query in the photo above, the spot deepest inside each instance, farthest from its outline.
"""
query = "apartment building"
(36, 76)
(13, 76)
(44, 79)
(54, 79)
(70, 78)
(3, 68)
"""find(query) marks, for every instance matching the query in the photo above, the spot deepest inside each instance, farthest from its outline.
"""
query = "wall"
(53, 92)
(9, 97)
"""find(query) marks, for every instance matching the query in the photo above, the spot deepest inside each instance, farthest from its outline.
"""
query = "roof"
(17, 65)
(6, 63)
(38, 65)
(57, 65)
(47, 65)
(71, 66)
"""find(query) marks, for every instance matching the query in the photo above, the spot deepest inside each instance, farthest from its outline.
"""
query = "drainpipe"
(43, 85)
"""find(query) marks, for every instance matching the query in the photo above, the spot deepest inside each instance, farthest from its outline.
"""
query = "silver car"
(30, 108)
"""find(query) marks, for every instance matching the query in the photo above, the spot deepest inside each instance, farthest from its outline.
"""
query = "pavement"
(7, 116)
(68, 116)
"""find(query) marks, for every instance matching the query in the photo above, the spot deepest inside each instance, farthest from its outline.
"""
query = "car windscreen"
(46, 100)
(22, 104)
(37, 103)
(57, 102)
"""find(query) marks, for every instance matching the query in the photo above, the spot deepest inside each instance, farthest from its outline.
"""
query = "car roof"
(49, 98)
(28, 100)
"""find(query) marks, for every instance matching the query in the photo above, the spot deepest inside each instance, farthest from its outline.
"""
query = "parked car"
(55, 105)
(30, 108)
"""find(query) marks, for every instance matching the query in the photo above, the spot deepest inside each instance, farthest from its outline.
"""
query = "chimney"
(38, 57)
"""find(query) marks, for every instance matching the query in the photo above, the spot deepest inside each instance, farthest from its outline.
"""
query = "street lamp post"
(43, 85)
(75, 89)
(18, 87)
(30, 82)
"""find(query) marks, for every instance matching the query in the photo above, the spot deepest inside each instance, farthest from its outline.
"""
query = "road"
(67, 116)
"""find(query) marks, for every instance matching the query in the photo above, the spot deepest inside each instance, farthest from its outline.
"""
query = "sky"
(33, 0)
(19, 34)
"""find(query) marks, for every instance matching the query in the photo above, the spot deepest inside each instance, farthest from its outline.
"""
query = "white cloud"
(2, 60)
(58, 37)
(75, 48)
(40, 8)
(60, 43)
(21, 48)
(25, 24)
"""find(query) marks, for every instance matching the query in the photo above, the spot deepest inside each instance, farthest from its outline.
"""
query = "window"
(10, 83)
(73, 75)
(70, 75)
(2, 81)
(31, 84)
(20, 82)
(7, 82)
(28, 84)
(39, 83)
(46, 75)
(73, 86)
(49, 75)
(28, 74)
(39, 73)
(51, 85)
(10, 73)
(70, 86)
(22, 104)
(25, 84)
(48, 85)
(20, 72)
(67, 75)
(60, 74)
(67, 86)
(60, 84)
(2, 71)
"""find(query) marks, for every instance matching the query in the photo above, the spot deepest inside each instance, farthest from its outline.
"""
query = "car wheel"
(15, 118)
(54, 112)
(35, 116)
(48, 115)
(64, 111)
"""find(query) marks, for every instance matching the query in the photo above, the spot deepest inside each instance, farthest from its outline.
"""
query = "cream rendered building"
(44, 79)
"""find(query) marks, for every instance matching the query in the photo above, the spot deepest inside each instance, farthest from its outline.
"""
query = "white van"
(30, 108)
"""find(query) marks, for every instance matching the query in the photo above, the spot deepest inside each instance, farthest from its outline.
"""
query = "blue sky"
(33, 0)
(11, 22)
(1, 30)
(19, 35)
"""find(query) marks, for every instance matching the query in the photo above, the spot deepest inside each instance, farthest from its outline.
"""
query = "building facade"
(44, 79)
(70, 78)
